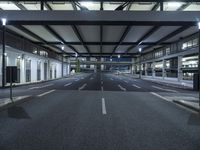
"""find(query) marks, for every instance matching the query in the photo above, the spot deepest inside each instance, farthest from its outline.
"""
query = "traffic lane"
(151, 86)
(94, 82)
(62, 120)
(76, 84)
(142, 121)
(32, 89)
(108, 84)
(127, 85)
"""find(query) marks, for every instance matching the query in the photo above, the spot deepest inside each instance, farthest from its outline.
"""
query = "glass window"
(184, 46)
(167, 50)
(195, 42)
(39, 70)
(28, 70)
(189, 43)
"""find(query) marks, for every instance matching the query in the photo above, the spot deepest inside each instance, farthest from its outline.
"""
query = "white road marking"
(156, 87)
(67, 84)
(111, 79)
(122, 88)
(126, 81)
(136, 86)
(77, 79)
(32, 88)
(103, 106)
(101, 88)
(45, 93)
(83, 86)
(134, 80)
(91, 78)
(101, 82)
(164, 98)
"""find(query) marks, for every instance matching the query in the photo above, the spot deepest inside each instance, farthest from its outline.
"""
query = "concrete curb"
(186, 105)
(170, 85)
(8, 105)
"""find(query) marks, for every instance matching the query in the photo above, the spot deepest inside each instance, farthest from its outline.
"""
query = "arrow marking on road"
(82, 87)
(67, 84)
(136, 86)
(122, 88)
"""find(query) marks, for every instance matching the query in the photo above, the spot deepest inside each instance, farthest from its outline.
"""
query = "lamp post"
(140, 51)
(199, 60)
(3, 20)
(118, 56)
(62, 60)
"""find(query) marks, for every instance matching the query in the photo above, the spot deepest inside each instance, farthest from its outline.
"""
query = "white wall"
(13, 54)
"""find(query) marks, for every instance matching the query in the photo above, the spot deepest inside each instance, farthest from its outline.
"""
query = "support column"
(164, 69)
(179, 71)
(3, 56)
(199, 63)
(42, 5)
(140, 70)
(153, 69)
(161, 6)
(62, 66)
(69, 66)
(145, 69)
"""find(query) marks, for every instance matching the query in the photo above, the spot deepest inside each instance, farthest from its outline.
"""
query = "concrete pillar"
(132, 66)
(153, 69)
(180, 72)
(163, 69)
(145, 69)
(102, 66)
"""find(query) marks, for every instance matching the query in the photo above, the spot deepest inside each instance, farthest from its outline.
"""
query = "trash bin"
(196, 82)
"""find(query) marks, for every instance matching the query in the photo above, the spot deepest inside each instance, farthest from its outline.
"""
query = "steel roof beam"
(113, 0)
(104, 43)
(101, 39)
(184, 6)
(145, 36)
(56, 35)
(48, 6)
(25, 30)
(155, 7)
(170, 35)
(140, 18)
(126, 31)
(20, 6)
(76, 31)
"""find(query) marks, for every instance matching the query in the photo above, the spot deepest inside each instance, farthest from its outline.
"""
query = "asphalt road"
(98, 112)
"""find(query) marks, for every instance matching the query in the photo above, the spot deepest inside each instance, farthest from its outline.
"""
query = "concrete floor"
(99, 112)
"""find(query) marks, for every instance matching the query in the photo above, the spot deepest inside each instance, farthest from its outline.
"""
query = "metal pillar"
(161, 6)
(180, 73)
(62, 65)
(140, 66)
(153, 69)
(163, 69)
(42, 5)
(3, 56)
(199, 66)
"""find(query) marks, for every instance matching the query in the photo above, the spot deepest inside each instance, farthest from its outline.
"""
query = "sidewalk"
(190, 104)
(6, 102)
(170, 82)
(173, 82)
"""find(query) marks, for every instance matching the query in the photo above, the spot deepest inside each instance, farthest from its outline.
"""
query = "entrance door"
(18, 69)
(45, 71)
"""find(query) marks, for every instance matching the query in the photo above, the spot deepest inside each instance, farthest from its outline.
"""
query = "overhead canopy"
(97, 33)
